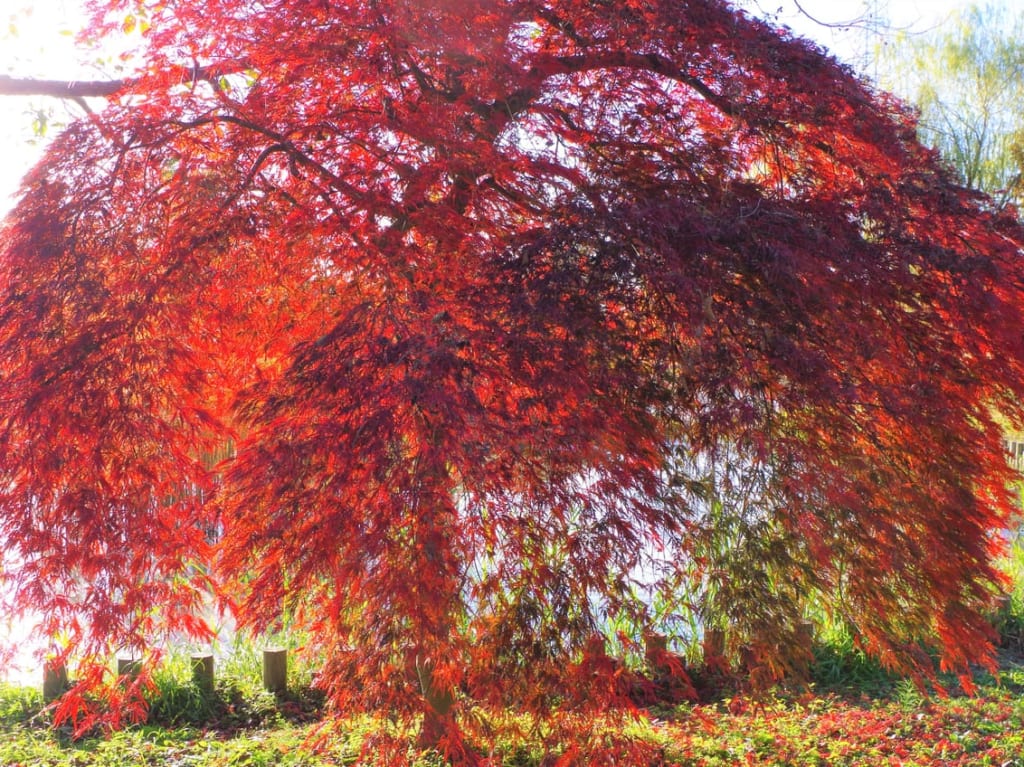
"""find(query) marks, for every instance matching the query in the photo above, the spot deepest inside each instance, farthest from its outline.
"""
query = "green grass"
(280, 745)
(841, 667)
(854, 713)
(880, 727)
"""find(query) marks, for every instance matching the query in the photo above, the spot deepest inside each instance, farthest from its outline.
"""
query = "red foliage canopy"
(516, 319)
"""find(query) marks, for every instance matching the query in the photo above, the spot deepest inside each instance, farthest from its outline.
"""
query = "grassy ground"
(854, 714)
(866, 720)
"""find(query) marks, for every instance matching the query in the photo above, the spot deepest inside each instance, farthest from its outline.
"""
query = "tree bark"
(60, 89)
(437, 709)
(84, 89)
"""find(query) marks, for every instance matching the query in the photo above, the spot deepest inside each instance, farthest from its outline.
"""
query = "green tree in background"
(967, 78)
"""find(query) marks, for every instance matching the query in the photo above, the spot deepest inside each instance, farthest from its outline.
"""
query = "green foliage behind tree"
(967, 78)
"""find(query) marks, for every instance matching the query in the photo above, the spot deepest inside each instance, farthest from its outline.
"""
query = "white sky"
(37, 39)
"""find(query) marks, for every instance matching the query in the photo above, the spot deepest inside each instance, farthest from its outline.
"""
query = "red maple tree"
(507, 315)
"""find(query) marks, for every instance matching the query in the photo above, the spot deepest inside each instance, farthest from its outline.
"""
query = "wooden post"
(1001, 607)
(805, 634)
(802, 654)
(656, 653)
(202, 672)
(713, 646)
(751, 659)
(55, 680)
(129, 667)
(275, 669)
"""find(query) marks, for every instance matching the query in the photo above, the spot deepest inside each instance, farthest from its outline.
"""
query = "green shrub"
(842, 666)
(18, 704)
(238, 699)
(1008, 619)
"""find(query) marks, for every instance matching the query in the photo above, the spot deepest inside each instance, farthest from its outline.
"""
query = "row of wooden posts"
(275, 673)
(275, 663)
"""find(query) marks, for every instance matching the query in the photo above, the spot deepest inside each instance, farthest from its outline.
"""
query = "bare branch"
(61, 89)
(83, 89)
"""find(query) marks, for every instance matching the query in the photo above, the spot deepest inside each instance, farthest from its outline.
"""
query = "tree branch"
(83, 89)
(60, 89)
(651, 62)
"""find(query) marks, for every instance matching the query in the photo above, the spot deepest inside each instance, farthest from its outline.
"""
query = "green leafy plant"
(840, 665)
(1008, 617)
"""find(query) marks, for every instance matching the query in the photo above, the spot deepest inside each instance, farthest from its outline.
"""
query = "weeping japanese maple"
(509, 316)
